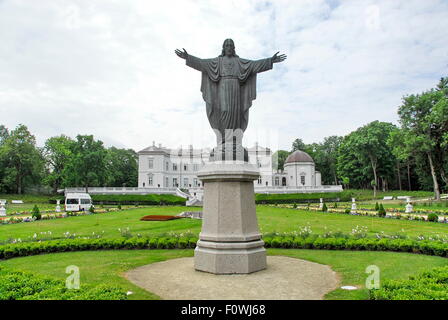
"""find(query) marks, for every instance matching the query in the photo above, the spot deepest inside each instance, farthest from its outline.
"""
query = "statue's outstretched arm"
(181, 54)
(278, 58)
(191, 61)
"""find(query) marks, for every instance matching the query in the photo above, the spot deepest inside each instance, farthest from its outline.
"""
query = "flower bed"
(391, 213)
(59, 215)
(159, 218)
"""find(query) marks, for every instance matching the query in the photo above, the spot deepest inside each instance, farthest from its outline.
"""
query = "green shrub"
(347, 211)
(92, 209)
(19, 285)
(119, 207)
(324, 208)
(333, 242)
(377, 207)
(381, 211)
(261, 198)
(428, 285)
(36, 213)
(138, 199)
(433, 217)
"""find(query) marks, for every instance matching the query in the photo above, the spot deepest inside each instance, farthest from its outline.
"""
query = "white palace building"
(166, 171)
(161, 167)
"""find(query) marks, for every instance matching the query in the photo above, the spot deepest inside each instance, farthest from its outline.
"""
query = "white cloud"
(108, 68)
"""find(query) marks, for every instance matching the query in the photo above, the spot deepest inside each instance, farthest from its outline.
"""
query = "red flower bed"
(159, 218)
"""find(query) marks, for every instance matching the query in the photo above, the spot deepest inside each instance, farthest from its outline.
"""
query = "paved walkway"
(285, 279)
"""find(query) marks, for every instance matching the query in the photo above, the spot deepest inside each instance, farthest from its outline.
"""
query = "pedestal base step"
(230, 257)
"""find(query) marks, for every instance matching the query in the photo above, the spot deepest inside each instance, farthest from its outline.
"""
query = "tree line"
(61, 162)
(381, 155)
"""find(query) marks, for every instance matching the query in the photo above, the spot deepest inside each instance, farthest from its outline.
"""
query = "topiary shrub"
(433, 217)
(36, 213)
(377, 207)
(324, 208)
(381, 211)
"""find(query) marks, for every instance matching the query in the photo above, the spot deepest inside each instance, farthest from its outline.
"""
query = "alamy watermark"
(73, 280)
(373, 280)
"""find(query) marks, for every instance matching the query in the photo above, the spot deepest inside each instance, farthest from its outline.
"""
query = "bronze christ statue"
(228, 86)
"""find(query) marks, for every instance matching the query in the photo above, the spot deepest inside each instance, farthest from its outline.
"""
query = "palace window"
(277, 181)
(185, 167)
(174, 166)
(175, 182)
(167, 181)
(259, 180)
(195, 182)
(302, 180)
(185, 182)
(150, 163)
(167, 166)
(150, 181)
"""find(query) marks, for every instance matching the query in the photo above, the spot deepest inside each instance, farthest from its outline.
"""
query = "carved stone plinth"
(230, 241)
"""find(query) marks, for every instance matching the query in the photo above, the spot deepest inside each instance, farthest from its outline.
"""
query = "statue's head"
(228, 48)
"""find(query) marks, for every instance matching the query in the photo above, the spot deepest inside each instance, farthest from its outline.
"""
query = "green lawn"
(351, 265)
(107, 267)
(271, 219)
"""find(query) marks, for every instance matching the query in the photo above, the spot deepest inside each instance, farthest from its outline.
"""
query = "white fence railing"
(303, 189)
(198, 191)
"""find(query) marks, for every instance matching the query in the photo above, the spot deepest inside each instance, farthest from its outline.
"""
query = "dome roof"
(299, 156)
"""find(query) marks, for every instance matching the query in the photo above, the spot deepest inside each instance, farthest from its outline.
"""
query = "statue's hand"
(181, 54)
(278, 58)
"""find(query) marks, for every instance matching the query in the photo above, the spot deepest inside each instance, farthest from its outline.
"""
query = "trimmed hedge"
(278, 198)
(19, 285)
(427, 247)
(134, 199)
(33, 248)
(428, 285)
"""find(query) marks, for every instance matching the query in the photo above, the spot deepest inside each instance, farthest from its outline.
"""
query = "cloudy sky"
(108, 68)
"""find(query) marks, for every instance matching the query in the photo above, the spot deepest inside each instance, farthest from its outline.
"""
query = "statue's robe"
(228, 87)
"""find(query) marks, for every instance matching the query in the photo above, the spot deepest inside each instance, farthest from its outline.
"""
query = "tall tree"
(57, 152)
(423, 119)
(298, 144)
(87, 165)
(367, 147)
(23, 162)
(122, 167)
(325, 156)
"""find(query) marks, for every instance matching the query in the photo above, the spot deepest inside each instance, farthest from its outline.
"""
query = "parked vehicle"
(77, 202)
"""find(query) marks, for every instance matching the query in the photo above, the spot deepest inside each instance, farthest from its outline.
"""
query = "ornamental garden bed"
(159, 218)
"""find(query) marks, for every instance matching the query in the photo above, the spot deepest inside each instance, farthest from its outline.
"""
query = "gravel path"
(285, 279)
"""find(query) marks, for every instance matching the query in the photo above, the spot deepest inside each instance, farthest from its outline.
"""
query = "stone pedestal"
(230, 241)
(409, 207)
(354, 207)
(58, 205)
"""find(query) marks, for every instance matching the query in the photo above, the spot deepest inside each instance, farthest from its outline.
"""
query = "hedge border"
(426, 247)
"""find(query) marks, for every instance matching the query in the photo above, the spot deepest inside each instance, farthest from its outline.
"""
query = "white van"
(78, 202)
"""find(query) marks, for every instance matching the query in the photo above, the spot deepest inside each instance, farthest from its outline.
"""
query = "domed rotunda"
(301, 170)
